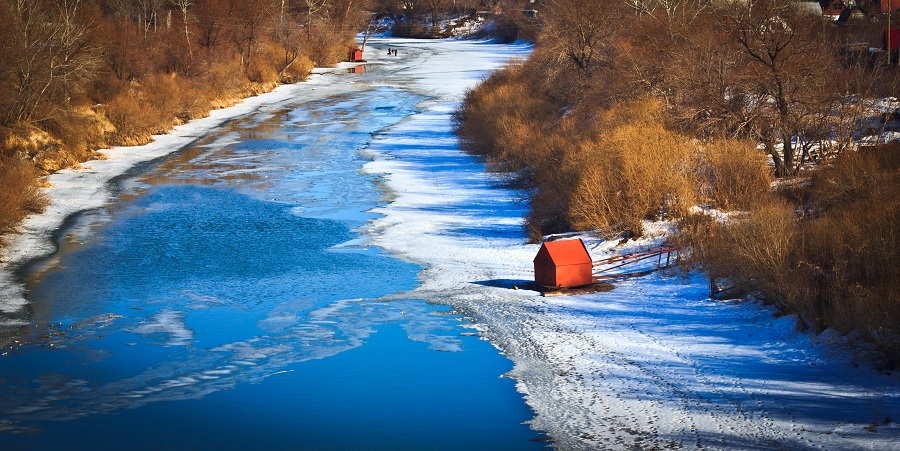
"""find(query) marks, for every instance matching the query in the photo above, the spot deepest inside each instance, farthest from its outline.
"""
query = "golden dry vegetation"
(628, 111)
(80, 75)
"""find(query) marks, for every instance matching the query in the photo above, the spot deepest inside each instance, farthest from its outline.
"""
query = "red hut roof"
(567, 252)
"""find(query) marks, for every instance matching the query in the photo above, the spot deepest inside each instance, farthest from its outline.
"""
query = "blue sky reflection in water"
(217, 305)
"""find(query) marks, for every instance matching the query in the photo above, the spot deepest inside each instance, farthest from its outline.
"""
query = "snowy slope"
(652, 363)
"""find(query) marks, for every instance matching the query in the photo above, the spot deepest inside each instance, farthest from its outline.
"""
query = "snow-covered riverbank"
(88, 187)
(652, 363)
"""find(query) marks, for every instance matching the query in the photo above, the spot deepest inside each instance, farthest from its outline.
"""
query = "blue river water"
(227, 300)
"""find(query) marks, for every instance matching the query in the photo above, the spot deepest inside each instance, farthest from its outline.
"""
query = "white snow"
(651, 364)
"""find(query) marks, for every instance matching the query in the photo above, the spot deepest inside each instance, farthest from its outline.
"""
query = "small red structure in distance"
(356, 55)
(892, 37)
(563, 263)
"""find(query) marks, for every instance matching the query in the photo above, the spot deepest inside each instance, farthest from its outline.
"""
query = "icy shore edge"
(87, 187)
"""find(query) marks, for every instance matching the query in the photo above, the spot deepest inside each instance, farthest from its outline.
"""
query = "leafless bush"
(754, 251)
(511, 26)
(298, 70)
(506, 119)
(634, 168)
(21, 194)
(853, 241)
(134, 119)
(222, 84)
(836, 267)
(736, 174)
(80, 133)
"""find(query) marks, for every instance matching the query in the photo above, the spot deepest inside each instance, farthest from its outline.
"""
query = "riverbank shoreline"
(91, 185)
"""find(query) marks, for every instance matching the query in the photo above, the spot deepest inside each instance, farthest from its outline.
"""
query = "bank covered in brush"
(82, 75)
(626, 113)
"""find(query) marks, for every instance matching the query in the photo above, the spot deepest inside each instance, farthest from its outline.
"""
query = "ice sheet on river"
(293, 334)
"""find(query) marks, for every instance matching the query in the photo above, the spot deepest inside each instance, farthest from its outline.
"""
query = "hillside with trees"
(758, 127)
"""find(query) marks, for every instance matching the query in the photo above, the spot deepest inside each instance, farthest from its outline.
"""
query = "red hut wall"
(564, 263)
(892, 37)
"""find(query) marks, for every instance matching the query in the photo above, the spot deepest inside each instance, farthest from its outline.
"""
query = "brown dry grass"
(836, 266)
(22, 193)
(633, 168)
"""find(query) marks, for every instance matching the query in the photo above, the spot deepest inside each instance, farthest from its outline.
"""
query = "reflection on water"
(219, 293)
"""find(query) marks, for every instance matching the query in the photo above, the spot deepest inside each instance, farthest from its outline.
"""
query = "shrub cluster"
(835, 266)
(607, 170)
(17, 179)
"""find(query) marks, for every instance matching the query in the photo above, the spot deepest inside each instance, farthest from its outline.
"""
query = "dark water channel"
(227, 300)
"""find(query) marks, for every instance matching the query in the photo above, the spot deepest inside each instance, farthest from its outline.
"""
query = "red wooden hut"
(356, 55)
(563, 263)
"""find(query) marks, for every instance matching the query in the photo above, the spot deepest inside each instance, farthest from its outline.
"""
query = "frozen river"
(227, 296)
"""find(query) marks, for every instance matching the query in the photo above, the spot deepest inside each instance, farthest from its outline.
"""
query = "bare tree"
(435, 7)
(670, 11)
(209, 18)
(50, 56)
(186, 18)
(314, 8)
(785, 60)
(579, 32)
(288, 35)
(374, 24)
(245, 19)
(389, 8)
(696, 74)
(148, 14)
